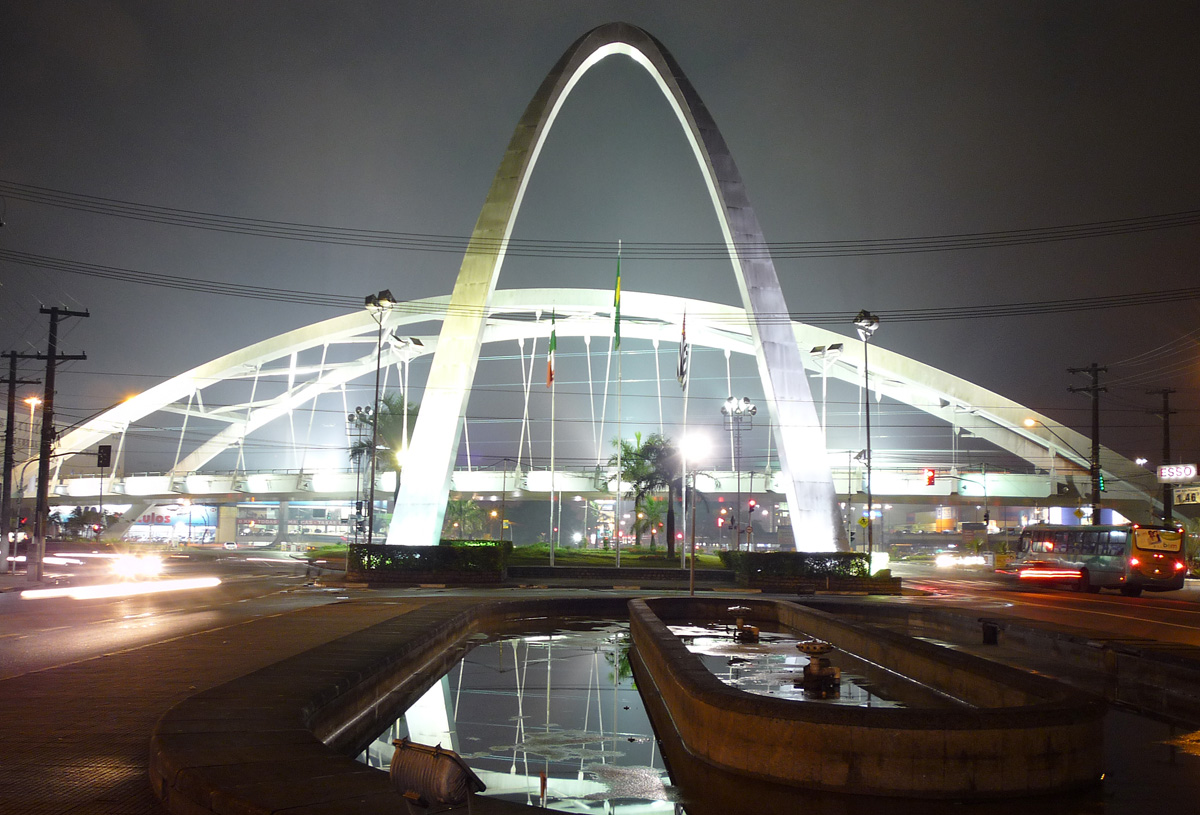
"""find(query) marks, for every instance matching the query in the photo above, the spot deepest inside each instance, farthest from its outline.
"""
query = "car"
(230, 545)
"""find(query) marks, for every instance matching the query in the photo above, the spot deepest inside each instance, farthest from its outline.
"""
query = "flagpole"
(620, 441)
(682, 374)
(553, 389)
(687, 384)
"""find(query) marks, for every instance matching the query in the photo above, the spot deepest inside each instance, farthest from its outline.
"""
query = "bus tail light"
(1180, 565)
(1134, 562)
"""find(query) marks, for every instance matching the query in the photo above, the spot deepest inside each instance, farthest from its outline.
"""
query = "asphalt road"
(45, 633)
(1166, 616)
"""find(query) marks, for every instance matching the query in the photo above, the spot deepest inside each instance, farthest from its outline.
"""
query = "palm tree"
(665, 468)
(649, 518)
(391, 432)
(464, 515)
(635, 473)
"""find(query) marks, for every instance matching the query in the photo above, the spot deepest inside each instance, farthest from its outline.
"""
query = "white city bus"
(1128, 557)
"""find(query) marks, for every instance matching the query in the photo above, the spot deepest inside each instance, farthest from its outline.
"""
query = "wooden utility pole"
(6, 509)
(41, 515)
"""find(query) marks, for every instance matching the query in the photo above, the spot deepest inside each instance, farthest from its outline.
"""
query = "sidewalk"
(75, 739)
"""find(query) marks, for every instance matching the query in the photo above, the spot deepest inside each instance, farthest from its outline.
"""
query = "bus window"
(1118, 536)
(1089, 542)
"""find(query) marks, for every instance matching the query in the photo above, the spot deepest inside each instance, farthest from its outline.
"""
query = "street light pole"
(694, 448)
(1031, 423)
(377, 304)
(33, 402)
(828, 355)
(867, 323)
(736, 412)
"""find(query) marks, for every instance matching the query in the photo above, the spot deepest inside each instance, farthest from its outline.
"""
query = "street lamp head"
(827, 352)
(1030, 422)
(32, 401)
(383, 299)
(866, 323)
(738, 407)
(407, 343)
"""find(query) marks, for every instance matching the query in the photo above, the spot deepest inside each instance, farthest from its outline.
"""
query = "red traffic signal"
(930, 475)
(753, 503)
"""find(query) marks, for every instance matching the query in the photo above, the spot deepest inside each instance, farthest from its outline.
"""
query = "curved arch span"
(421, 501)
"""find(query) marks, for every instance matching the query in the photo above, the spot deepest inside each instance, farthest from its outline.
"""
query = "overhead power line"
(348, 303)
(579, 249)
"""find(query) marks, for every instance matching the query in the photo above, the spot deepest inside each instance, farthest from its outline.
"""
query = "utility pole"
(1168, 489)
(41, 513)
(1095, 390)
(6, 513)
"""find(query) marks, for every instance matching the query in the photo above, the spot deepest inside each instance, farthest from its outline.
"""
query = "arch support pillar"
(421, 501)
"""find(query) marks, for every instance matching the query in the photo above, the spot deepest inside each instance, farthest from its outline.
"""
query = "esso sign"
(1177, 472)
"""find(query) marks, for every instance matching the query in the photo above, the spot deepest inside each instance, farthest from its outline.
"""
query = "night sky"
(848, 121)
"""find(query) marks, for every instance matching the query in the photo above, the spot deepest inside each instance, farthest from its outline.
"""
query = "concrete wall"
(1025, 735)
(285, 737)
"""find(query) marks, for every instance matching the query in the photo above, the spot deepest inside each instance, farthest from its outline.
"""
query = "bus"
(1128, 557)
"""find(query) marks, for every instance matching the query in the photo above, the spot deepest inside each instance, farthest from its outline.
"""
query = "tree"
(649, 467)
(635, 474)
(665, 467)
(391, 432)
(649, 518)
(463, 515)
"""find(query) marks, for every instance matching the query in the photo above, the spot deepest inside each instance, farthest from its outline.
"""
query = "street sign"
(1176, 473)
(1187, 495)
(864, 523)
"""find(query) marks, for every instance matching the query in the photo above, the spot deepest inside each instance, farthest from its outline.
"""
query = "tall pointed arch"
(811, 498)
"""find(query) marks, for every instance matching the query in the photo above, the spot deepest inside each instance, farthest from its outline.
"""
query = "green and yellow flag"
(550, 351)
(617, 308)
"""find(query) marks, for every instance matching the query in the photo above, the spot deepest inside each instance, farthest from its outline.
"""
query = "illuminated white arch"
(421, 502)
(1048, 445)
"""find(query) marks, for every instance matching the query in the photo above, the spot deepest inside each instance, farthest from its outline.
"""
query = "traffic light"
(753, 504)
(104, 456)
(930, 476)
(1101, 482)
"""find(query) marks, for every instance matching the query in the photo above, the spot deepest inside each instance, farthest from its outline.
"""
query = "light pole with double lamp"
(867, 323)
(378, 305)
(738, 412)
(693, 450)
(828, 354)
(1032, 423)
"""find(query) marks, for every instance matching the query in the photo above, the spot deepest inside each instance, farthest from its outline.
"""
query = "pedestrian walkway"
(75, 739)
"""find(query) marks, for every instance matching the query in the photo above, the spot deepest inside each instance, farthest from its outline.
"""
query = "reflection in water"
(774, 667)
(564, 704)
(560, 705)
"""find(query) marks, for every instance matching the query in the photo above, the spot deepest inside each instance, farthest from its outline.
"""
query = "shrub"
(795, 564)
(449, 556)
